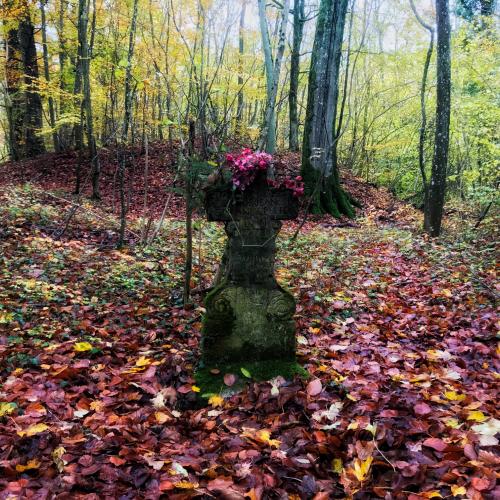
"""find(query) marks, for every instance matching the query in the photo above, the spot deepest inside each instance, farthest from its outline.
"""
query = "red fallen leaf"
(166, 486)
(229, 379)
(422, 409)
(220, 484)
(314, 387)
(88, 471)
(117, 461)
(480, 483)
(435, 443)
(86, 460)
(322, 495)
(215, 371)
(184, 389)
(470, 452)
(81, 363)
(389, 413)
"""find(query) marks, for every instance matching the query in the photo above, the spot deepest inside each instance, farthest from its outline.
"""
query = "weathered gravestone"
(249, 316)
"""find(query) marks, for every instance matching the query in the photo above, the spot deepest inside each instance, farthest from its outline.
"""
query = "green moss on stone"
(260, 371)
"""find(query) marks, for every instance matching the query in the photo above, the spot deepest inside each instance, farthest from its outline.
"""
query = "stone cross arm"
(259, 201)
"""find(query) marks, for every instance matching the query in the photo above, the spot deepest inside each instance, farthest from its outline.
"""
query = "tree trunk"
(14, 97)
(423, 86)
(241, 51)
(437, 189)
(64, 133)
(33, 113)
(319, 166)
(126, 125)
(273, 70)
(84, 68)
(298, 31)
(52, 114)
(188, 264)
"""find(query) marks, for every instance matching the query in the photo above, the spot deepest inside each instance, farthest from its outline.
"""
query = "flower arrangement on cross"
(247, 164)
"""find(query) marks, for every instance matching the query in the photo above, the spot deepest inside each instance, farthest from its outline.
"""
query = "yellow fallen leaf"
(57, 455)
(97, 406)
(314, 331)
(453, 396)
(82, 346)
(352, 426)
(262, 436)
(186, 485)
(337, 465)
(32, 430)
(7, 408)
(446, 292)
(458, 490)
(161, 417)
(6, 317)
(265, 437)
(453, 423)
(430, 494)
(477, 416)
(216, 400)
(195, 388)
(143, 361)
(32, 464)
(362, 467)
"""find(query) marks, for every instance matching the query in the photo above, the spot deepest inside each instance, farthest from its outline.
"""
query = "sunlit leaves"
(82, 346)
(32, 430)
(7, 408)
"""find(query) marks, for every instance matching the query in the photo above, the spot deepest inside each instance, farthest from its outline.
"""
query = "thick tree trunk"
(14, 97)
(298, 30)
(319, 162)
(33, 121)
(437, 188)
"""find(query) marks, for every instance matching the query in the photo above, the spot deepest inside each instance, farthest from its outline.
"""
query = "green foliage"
(384, 149)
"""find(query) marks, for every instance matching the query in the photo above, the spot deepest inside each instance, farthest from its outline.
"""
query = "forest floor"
(97, 354)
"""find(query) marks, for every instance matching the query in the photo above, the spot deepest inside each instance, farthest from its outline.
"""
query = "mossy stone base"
(213, 383)
(248, 324)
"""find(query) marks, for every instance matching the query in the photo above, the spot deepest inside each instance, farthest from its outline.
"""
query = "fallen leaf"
(216, 401)
(487, 432)
(453, 396)
(57, 455)
(117, 461)
(32, 430)
(31, 464)
(143, 361)
(7, 408)
(229, 379)
(422, 409)
(362, 468)
(314, 387)
(477, 416)
(82, 346)
(186, 485)
(458, 490)
(435, 443)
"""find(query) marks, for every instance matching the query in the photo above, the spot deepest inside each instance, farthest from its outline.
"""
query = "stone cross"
(249, 316)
